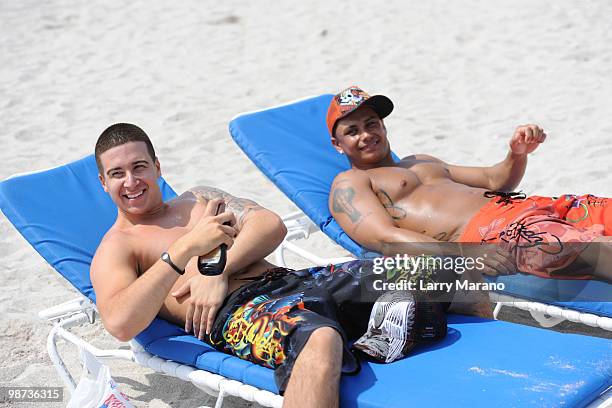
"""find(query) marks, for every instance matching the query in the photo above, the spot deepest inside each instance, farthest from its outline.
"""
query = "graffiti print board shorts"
(269, 321)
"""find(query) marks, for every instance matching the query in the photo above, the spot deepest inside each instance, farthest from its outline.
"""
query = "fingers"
(189, 317)
(499, 263)
(223, 234)
(505, 258)
(529, 134)
(197, 318)
(205, 322)
(541, 137)
(207, 298)
(228, 230)
(212, 206)
(226, 217)
(502, 266)
(497, 260)
(492, 269)
(202, 323)
(228, 235)
(210, 319)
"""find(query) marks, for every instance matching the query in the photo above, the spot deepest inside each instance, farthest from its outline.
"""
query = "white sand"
(462, 76)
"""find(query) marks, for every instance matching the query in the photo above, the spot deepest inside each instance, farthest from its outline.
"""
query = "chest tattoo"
(397, 213)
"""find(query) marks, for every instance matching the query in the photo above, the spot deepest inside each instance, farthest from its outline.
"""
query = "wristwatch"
(166, 258)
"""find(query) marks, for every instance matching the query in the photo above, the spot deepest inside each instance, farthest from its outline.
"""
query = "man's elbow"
(392, 241)
(121, 330)
(378, 241)
(494, 183)
(501, 186)
(278, 228)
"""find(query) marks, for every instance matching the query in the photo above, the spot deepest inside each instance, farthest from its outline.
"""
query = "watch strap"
(166, 258)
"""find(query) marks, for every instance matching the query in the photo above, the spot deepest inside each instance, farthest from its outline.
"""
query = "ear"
(334, 142)
(103, 182)
(158, 167)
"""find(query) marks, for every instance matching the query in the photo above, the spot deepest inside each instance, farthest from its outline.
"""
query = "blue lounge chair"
(290, 144)
(63, 213)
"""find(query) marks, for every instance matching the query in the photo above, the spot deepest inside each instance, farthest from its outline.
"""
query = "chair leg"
(497, 309)
(58, 363)
(56, 359)
(220, 398)
(280, 255)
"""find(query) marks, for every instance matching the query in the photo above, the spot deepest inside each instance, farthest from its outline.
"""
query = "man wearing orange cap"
(405, 206)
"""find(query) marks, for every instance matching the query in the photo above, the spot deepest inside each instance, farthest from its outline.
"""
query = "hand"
(497, 260)
(526, 139)
(206, 296)
(209, 233)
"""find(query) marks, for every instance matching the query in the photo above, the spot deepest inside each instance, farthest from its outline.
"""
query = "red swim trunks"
(544, 234)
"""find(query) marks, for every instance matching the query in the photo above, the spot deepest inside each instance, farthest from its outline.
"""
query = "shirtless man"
(134, 284)
(422, 200)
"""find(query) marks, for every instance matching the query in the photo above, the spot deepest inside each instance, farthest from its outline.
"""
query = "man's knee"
(316, 375)
(325, 344)
(325, 336)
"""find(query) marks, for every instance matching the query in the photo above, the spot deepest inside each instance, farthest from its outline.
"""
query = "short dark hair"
(119, 134)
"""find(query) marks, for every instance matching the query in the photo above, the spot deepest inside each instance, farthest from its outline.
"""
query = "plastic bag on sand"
(97, 389)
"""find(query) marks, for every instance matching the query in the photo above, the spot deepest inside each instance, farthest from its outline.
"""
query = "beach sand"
(462, 76)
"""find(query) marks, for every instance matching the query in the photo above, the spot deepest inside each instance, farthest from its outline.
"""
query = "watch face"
(166, 258)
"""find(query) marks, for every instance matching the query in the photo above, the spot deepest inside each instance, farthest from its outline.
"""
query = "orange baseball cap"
(352, 98)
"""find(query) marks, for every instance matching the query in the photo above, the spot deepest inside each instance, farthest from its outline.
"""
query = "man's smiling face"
(362, 136)
(130, 178)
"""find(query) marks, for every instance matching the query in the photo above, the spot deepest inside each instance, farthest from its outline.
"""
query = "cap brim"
(381, 104)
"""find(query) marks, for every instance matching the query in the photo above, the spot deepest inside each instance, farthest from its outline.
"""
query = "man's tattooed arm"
(343, 203)
(241, 207)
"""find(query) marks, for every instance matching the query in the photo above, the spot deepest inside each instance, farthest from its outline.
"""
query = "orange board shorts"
(543, 234)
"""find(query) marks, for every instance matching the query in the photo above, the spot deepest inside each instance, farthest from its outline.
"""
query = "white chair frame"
(81, 311)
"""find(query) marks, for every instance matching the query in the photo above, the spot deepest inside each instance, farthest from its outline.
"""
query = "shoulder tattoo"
(211, 193)
(342, 202)
(239, 206)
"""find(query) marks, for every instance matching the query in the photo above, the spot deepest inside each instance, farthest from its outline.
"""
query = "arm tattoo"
(343, 203)
(397, 213)
(211, 193)
(241, 207)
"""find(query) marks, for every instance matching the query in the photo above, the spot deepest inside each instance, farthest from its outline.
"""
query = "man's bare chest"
(150, 243)
(397, 183)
